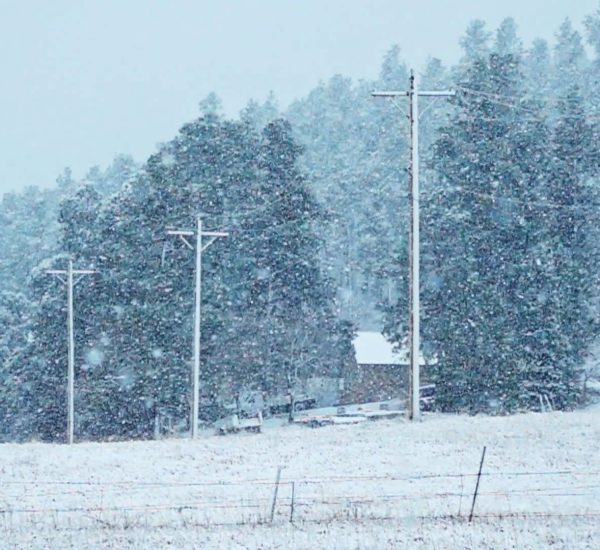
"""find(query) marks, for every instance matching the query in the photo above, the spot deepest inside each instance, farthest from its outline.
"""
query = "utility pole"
(213, 236)
(414, 248)
(70, 283)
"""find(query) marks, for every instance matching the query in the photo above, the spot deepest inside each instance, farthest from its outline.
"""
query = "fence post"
(292, 504)
(462, 493)
(277, 479)
(477, 485)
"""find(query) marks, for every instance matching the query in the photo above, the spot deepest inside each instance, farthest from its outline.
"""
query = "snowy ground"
(383, 484)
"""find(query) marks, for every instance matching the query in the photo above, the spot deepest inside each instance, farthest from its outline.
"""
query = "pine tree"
(480, 230)
(257, 115)
(507, 39)
(16, 311)
(268, 314)
(570, 60)
(569, 260)
(355, 157)
(537, 70)
(475, 42)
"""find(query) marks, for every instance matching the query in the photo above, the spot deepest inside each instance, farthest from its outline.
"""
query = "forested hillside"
(315, 202)
(269, 317)
(509, 200)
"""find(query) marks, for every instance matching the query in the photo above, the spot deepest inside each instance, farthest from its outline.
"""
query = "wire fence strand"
(426, 495)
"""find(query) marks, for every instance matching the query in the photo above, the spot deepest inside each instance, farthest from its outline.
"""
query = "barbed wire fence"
(133, 503)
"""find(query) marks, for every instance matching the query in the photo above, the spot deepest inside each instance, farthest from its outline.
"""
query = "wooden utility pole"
(70, 283)
(213, 235)
(414, 249)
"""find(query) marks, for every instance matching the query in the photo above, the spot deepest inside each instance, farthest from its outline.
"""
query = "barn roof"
(372, 348)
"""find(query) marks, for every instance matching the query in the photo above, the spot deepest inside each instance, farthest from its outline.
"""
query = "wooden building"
(382, 372)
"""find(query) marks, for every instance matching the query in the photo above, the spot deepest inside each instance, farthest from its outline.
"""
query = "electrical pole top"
(192, 233)
(441, 93)
(74, 271)
(179, 232)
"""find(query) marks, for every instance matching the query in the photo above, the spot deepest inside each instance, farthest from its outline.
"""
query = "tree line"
(315, 201)
(269, 316)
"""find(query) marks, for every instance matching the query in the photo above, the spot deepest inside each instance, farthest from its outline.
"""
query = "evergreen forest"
(314, 198)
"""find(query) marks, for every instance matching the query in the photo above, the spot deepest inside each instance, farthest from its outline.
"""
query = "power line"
(511, 102)
(526, 202)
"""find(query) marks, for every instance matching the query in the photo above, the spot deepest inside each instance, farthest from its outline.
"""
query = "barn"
(382, 371)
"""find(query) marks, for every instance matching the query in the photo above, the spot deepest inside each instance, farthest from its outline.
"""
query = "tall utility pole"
(69, 272)
(414, 249)
(183, 235)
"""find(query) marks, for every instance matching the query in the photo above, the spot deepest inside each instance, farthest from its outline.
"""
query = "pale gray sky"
(84, 80)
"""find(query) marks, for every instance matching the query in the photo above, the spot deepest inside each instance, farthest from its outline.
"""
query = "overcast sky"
(84, 80)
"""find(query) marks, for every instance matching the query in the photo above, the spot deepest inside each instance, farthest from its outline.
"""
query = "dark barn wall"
(379, 383)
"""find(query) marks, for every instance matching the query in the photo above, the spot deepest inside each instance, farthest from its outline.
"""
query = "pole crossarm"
(423, 93)
(413, 93)
(390, 94)
(192, 233)
(200, 248)
(81, 272)
(215, 234)
(75, 271)
(182, 234)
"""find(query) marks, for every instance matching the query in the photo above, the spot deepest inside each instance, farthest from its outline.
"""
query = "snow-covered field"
(383, 484)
